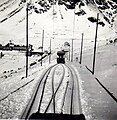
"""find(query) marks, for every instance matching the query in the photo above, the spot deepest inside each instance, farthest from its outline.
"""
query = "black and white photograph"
(58, 59)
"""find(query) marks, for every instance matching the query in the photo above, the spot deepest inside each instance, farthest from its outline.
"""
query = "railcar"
(60, 58)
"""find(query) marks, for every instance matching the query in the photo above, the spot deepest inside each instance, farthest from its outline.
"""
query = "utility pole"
(81, 49)
(26, 40)
(69, 53)
(72, 52)
(42, 45)
(95, 44)
(50, 53)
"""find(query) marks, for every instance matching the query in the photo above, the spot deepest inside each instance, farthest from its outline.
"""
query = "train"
(61, 58)
(11, 46)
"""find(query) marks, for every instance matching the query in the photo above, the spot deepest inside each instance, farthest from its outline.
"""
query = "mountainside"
(13, 18)
(61, 21)
(107, 8)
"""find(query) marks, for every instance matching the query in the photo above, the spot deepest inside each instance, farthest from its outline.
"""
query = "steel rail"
(72, 93)
(69, 96)
(78, 91)
(63, 101)
(72, 89)
(43, 89)
(72, 103)
(55, 91)
(28, 108)
(54, 87)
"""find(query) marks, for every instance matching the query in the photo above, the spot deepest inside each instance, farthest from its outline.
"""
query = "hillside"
(62, 21)
(13, 24)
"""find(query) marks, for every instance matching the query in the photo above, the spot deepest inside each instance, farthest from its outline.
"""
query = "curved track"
(50, 88)
(71, 101)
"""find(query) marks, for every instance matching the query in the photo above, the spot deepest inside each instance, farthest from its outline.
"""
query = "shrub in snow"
(19, 68)
(5, 76)
(22, 78)
(4, 72)
(111, 41)
(33, 63)
(106, 19)
(92, 19)
(81, 12)
(101, 23)
(115, 40)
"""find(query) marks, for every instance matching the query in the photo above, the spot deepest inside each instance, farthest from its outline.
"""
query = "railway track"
(53, 91)
(72, 105)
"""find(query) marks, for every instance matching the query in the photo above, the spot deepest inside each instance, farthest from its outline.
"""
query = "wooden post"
(69, 53)
(50, 53)
(1, 55)
(81, 49)
(95, 44)
(42, 45)
(72, 52)
(42, 40)
(27, 41)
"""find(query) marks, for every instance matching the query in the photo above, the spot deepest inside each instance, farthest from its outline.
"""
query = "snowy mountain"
(108, 9)
(62, 21)
(13, 14)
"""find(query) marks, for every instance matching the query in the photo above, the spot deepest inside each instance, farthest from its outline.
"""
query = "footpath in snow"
(96, 102)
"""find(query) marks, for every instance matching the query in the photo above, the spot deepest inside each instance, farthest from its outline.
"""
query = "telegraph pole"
(42, 40)
(69, 53)
(95, 44)
(72, 52)
(42, 45)
(81, 49)
(26, 40)
(50, 53)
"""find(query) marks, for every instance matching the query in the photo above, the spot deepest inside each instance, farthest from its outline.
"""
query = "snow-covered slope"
(63, 24)
(60, 24)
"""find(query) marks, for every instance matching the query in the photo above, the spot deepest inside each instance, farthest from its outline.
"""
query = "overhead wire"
(53, 19)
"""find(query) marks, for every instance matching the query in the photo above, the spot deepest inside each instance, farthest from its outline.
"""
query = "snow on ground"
(106, 67)
(17, 89)
(58, 72)
(96, 102)
(61, 27)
